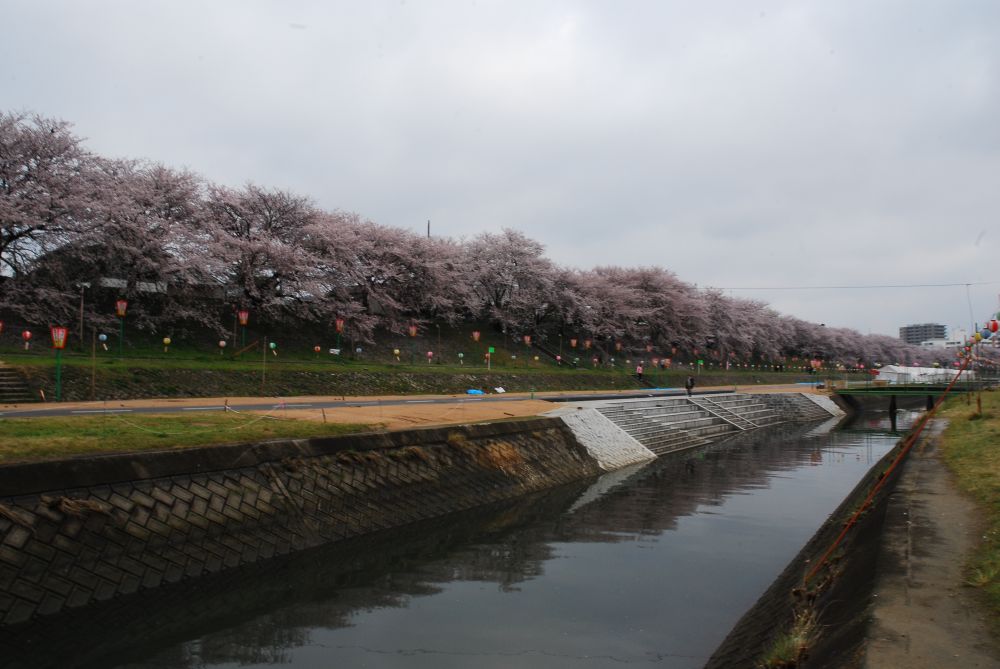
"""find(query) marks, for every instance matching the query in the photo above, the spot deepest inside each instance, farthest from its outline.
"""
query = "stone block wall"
(84, 530)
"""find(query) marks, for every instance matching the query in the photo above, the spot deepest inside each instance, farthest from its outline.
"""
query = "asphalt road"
(214, 404)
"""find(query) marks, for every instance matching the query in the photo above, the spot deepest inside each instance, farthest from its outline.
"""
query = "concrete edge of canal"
(84, 530)
(838, 600)
(80, 531)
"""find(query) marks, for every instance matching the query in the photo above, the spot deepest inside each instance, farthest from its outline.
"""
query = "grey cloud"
(771, 143)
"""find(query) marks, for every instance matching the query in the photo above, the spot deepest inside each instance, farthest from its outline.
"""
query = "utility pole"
(428, 228)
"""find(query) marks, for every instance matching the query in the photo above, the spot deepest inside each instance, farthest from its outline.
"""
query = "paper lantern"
(58, 337)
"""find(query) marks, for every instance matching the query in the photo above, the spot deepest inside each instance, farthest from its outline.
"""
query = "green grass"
(971, 447)
(27, 439)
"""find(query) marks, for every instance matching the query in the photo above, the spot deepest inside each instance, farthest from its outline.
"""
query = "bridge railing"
(963, 383)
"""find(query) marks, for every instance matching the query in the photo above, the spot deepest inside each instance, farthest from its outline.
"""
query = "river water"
(648, 566)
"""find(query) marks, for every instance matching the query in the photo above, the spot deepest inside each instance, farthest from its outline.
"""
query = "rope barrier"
(904, 450)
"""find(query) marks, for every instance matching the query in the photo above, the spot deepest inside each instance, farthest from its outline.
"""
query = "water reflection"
(651, 565)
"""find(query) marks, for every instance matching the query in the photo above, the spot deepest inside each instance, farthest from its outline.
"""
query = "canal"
(646, 566)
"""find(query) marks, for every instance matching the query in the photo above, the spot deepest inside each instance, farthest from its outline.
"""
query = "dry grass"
(502, 456)
(791, 648)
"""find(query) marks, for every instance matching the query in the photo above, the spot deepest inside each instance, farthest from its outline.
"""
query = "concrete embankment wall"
(838, 594)
(79, 531)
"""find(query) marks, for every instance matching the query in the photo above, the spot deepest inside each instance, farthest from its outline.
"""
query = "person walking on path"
(689, 385)
(638, 371)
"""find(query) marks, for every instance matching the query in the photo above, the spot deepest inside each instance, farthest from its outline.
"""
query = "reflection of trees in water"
(676, 485)
(257, 614)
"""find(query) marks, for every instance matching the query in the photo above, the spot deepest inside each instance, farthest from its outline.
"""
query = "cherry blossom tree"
(183, 251)
(256, 249)
(509, 280)
(45, 188)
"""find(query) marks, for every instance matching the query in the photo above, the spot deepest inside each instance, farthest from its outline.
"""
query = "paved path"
(923, 615)
(316, 403)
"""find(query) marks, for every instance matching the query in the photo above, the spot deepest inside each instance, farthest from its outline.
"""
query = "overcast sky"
(739, 144)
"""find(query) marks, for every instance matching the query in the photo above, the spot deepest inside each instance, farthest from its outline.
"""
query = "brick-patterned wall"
(85, 530)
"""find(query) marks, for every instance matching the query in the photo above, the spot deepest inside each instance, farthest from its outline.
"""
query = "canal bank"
(923, 614)
(85, 530)
(882, 588)
(648, 565)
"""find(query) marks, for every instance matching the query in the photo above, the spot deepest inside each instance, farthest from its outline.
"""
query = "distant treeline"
(186, 253)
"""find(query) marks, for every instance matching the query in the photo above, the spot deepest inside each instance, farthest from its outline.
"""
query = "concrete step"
(679, 446)
(13, 389)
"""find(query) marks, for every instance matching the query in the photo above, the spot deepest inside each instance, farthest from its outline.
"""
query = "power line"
(863, 287)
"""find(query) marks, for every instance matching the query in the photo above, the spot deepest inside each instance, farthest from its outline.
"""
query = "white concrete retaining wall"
(612, 447)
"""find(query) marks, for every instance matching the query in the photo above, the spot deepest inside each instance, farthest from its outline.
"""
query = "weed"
(458, 441)
(16, 516)
(416, 453)
(78, 508)
(502, 456)
(791, 648)
(983, 575)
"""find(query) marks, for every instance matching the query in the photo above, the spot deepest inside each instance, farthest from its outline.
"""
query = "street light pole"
(83, 286)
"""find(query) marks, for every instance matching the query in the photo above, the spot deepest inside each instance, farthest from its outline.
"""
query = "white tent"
(896, 374)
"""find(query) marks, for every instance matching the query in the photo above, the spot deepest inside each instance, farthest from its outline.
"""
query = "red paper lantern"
(618, 346)
(26, 335)
(413, 330)
(316, 349)
(120, 307)
(994, 325)
(475, 335)
(58, 337)
(1, 327)
(244, 317)
(572, 342)
(586, 344)
(527, 340)
(339, 324)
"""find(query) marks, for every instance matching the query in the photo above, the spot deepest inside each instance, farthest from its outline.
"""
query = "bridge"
(852, 393)
(905, 389)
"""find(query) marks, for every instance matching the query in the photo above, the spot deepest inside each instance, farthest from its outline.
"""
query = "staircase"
(671, 424)
(13, 389)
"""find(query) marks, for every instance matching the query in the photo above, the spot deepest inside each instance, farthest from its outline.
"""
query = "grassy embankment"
(147, 370)
(971, 447)
(23, 439)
